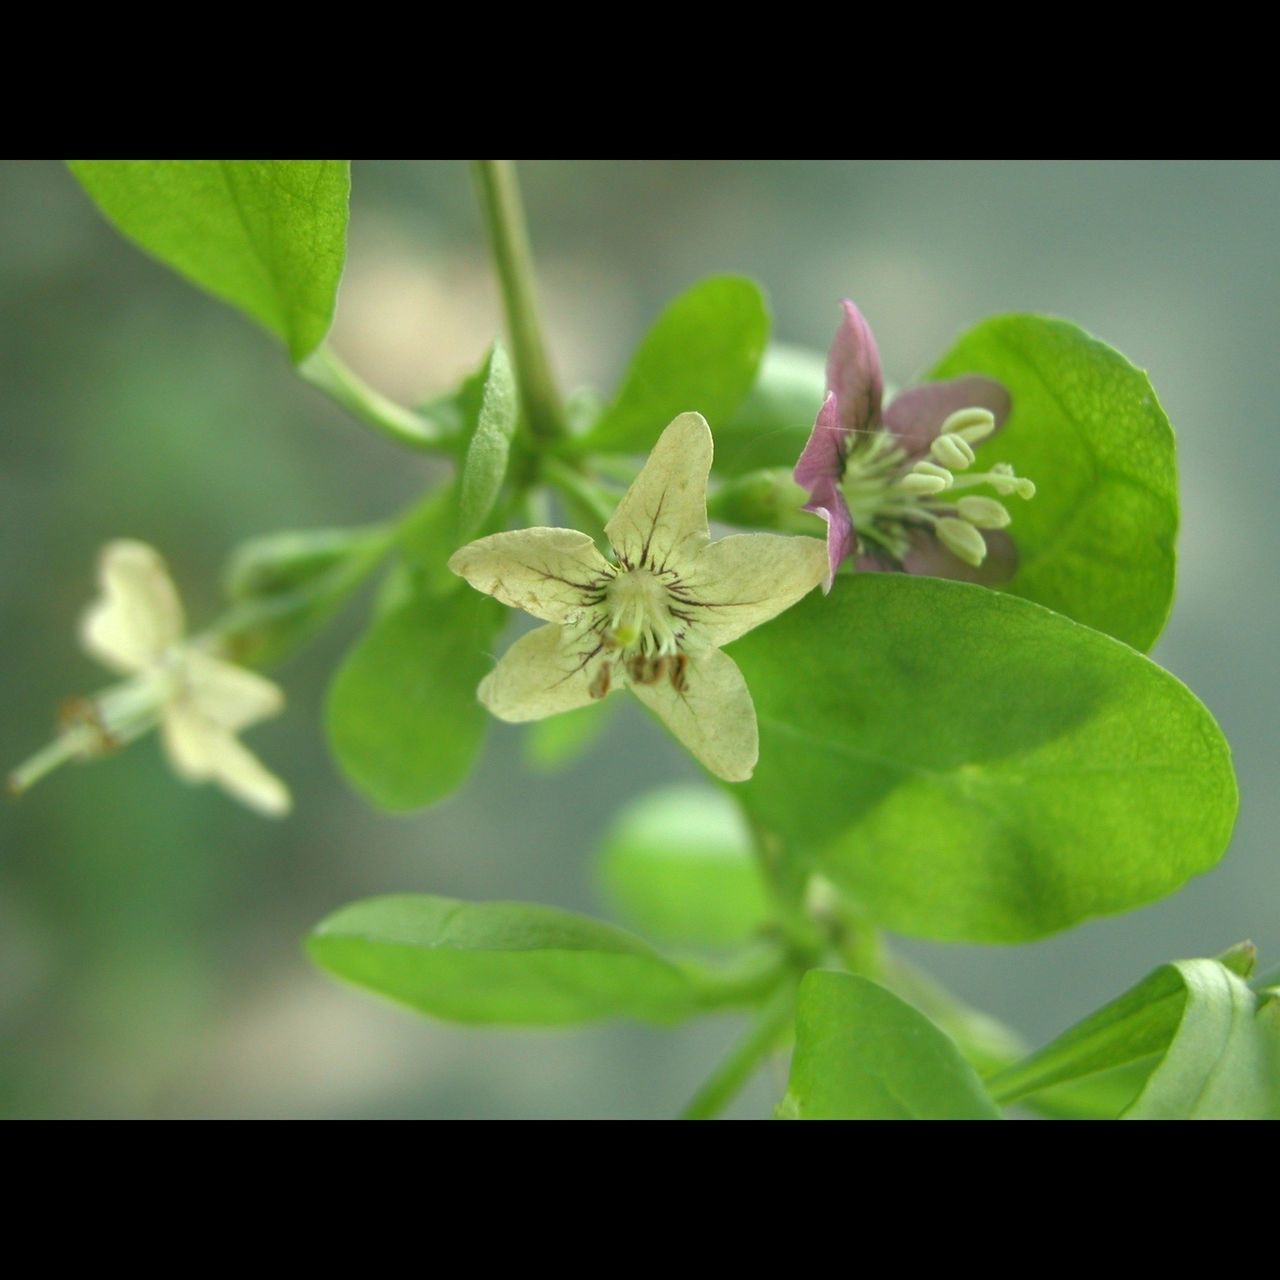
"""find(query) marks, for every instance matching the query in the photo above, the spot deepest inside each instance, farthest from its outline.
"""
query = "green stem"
(327, 373)
(66, 746)
(588, 494)
(509, 242)
(724, 1084)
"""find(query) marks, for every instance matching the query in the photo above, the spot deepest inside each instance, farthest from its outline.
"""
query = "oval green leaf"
(1097, 541)
(512, 963)
(267, 236)
(970, 766)
(677, 865)
(864, 1054)
(701, 354)
(403, 719)
(485, 466)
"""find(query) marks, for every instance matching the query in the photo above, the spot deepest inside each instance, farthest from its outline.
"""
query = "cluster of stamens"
(641, 616)
(887, 496)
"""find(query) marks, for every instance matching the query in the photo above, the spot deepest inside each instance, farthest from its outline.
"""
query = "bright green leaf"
(771, 426)
(678, 865)
(498, 962)
(267, 236)
(1097, 541)
(403, 718)
(485, 466)
(864, 1054)
(967, 765)
(701, 354)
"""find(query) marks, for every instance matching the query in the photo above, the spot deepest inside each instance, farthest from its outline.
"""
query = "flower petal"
(741, 581)
(854, 372)
(138, 615)
(545, 572)
(713, 715)
(230, 696)
(930, 558)
(662, 518)
(201, 751)
(545, 672)
(822, 460)
(916, 415)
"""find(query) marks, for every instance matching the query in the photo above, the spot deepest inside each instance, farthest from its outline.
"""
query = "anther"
(986, 513)
(962, 539)
(952, 451)
(971, 425)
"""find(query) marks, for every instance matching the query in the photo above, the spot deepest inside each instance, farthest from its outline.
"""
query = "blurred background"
(150, 959)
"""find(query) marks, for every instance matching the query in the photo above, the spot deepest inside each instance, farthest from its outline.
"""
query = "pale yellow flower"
(655, 618)
(200, 701)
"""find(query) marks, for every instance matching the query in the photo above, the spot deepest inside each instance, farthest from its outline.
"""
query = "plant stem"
(569, 480)
(509, 242)
(327, 373)
(742, 1063)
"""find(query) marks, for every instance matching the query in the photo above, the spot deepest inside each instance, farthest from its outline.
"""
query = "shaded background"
(149, 932)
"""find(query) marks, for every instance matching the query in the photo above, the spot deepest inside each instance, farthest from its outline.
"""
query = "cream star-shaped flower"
(201, 702)
(656, 619)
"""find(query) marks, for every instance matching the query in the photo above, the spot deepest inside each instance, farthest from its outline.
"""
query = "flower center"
(644, 624)
(888, 495)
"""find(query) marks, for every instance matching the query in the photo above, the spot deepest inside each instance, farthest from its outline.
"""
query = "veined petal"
(828, 502)
(230, 696)
(550, 573)
(201, 751)
(854, 372)
(713, 715)
(545, 672)
(138, 615)
(662, 518)
(746, 579)
(916, 415)
(929, 557)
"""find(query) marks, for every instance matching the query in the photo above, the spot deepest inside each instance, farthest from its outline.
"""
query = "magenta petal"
(930, 558)
(828, 502)
(916, 415)
(822, 461)
(854, 373)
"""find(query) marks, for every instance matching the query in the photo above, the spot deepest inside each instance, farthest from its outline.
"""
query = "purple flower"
(893, 484)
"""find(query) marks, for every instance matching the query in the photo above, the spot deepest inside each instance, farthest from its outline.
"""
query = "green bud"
(986, 513)
(971, 425)
(952, 451)
(962, 539)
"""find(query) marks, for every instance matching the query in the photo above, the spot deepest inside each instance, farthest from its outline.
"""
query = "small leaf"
(771, 426)
(864, 1054)
(282, 562)
(403, 718)
(499, 962)
(1224, 1061)
(701, 355)
(678, 865)
(1097, 541)
(485, 466)
(970, 766)
(267, 236)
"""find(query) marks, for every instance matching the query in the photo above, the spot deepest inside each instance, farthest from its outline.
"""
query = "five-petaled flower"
(655, 618)
(886, 481)
(199, 701)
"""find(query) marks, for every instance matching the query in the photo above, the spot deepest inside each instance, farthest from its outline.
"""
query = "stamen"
(962, 539)
(953, 452)
(986, 513)
(971, 425)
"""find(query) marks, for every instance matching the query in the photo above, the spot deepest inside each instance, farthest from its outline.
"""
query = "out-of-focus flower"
(893, 484)
(655, 618)
(199, 701)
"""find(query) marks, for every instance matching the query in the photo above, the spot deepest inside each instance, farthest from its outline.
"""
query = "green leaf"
(403, 718)
(967, 765)
(498, 962)
(286, 586)
(267, 236)
(485, 466)
(864, 1054)
(702, 354)
(772, 425)
(678, 865)
(1224, 1061)
(557, 741)
(1097, 541)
